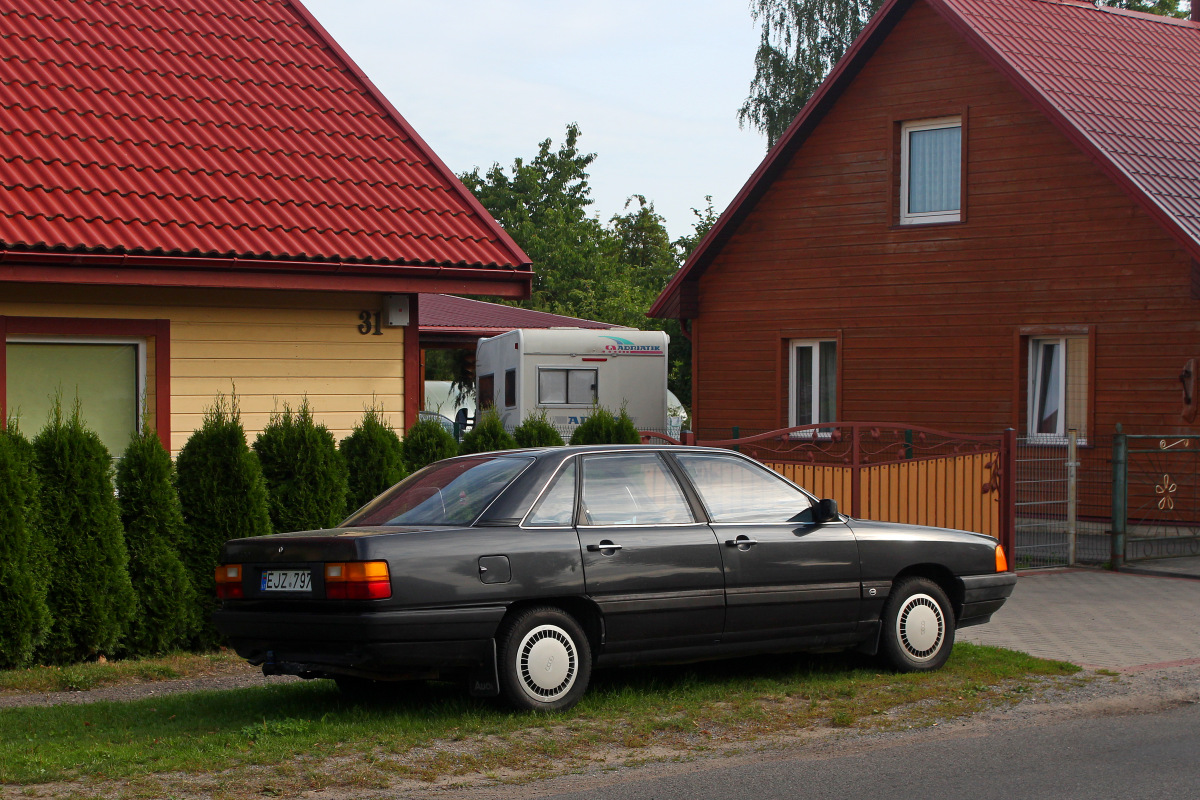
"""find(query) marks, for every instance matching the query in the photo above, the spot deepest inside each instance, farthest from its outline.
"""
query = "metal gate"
(1156, 497)
(1045, 503)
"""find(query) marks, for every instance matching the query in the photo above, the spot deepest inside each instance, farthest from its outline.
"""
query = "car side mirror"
(826, 511)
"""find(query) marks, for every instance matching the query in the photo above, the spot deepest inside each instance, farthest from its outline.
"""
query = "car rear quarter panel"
(887, 549)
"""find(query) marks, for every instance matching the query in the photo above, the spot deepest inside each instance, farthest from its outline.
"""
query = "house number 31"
(370, 323)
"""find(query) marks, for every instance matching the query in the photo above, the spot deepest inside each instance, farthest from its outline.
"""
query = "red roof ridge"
(1124, 12)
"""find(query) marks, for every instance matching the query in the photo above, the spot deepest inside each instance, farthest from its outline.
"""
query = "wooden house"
(199, 198)
(987, 217)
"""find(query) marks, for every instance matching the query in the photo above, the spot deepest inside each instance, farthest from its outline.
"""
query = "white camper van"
(569, 371)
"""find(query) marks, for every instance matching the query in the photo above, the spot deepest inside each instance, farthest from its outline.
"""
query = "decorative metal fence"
(1156, 496)
(891, 472)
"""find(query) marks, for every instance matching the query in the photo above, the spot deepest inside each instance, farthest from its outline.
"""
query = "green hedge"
(223, 497)
(603, 428)
(487, 435)
(536, 431)
(90, 596)
(426, 442)
(306, 476)
(24, 616)
(374, 456)
(153, 520)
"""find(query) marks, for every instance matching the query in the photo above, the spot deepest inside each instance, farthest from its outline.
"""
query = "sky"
(654, 86)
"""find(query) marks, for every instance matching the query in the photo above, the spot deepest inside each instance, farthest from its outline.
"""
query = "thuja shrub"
(90, 596)
(223, 496)
(487, 435)
(24, 617)
(536, 431)
(374, 456)
(153, 521)
(603, 428)
(306, 475)
(426, 442)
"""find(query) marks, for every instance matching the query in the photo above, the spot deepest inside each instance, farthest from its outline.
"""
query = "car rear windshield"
(447, 493)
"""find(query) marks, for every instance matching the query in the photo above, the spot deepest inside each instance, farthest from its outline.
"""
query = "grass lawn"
(299, 736)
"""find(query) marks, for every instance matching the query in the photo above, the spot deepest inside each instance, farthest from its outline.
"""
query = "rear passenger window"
(631, 489)
(557, 506)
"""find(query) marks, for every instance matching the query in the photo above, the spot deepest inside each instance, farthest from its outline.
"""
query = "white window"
(813, 382)
(931, 171)
(107, 376)
(1058, 387)
(572, 387)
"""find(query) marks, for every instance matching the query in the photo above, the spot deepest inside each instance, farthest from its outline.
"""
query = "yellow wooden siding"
(272, 347)
(944, 492)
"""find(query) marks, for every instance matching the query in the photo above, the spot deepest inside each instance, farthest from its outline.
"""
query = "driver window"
(557, 506)
(631, 489)
(735, 490)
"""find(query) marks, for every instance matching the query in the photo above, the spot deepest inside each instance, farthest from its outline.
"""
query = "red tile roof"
(1124, 86)
(217, 128)
(443, 313)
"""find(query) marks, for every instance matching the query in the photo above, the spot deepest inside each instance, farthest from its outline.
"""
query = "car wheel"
(918, 626)
(545, 660)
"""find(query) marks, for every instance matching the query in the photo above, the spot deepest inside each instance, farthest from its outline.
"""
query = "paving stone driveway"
(1117, 621)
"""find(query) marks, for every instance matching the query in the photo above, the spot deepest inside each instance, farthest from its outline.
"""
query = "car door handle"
(604, 545)
(741, 541)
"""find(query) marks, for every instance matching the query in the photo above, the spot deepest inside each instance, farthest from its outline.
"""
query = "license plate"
(286, 580)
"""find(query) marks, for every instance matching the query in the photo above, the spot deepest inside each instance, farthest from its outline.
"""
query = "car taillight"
(229, 582)
(358, 580)
(1001, 560)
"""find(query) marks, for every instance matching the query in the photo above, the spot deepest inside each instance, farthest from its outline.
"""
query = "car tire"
(545, 660)
(918, 626)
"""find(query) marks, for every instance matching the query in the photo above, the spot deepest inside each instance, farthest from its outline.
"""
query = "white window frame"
(138, 342)
(814, 413)
(1033, 400)
(925, 217)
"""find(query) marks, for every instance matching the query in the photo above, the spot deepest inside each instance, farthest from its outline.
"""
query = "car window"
(557, 506)
(446, 493)
(631, 489)
(735, 490)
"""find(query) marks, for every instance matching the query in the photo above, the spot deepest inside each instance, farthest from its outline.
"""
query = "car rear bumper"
(983, 595)
(361, 643)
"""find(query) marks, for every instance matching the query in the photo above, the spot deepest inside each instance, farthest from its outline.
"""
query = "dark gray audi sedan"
(522, 570)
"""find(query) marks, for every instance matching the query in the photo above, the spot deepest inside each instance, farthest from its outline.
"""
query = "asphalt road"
(1130, 757)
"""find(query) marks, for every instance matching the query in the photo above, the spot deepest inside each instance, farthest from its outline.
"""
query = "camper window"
(487, 391)
(567, 387)
(510, 388)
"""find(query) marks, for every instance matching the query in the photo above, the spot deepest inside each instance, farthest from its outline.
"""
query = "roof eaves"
(520, 259)
(1077, 135)
(822, 100)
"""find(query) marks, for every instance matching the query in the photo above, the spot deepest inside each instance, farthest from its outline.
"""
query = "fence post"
(1072, 492)
(737, 448)
(1120, 497)
(1008, 495)
(855, 474)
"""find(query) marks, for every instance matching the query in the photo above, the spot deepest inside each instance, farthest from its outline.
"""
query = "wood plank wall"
(930, 318)
(274, 347)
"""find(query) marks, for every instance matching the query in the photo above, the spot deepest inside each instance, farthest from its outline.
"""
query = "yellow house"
(198, 198)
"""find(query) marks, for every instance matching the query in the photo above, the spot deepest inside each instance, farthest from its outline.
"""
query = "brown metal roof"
(1123, 86)
(446, 314)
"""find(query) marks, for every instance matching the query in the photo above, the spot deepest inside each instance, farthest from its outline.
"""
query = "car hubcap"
(920, 627)
(546, 663)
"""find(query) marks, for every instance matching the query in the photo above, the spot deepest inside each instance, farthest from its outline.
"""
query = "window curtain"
(935, 170)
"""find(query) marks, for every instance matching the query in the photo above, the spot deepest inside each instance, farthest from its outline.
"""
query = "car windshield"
(447, 493)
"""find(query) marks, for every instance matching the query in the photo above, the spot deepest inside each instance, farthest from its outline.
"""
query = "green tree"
(425, 442)
(601, 427)
(1163, 8)
(800, 42)
(24, 616)
(375, 457)
(306, 476)
(90, 596)
(536, 431)
(223, 497)
(487, 436)
(153, 521)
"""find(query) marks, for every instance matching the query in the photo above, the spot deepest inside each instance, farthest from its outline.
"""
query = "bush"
(536, 431)
(426, 442)
(306, 475)
(223, 497)
(487, 435)
(153, 520)
(374, 451)
(90, 597)
(603, 428)
(24, 616)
